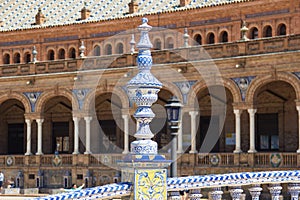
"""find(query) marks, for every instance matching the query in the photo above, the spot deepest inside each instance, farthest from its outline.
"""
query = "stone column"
(28, 142)
(255, 191)
(40, 135)
(216, 194)
(179, 137)
(76, 135)
(294, 190)
(252, 130)
(88, 135)
(236, 193)
(126, 134)
(298, 108)
(275, 190)
(237, 131)
(193, 115)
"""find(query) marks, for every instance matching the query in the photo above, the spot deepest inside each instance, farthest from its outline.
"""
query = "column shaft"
(28, 142)
(88, 135)
(298, 108)
(237, 131)
(252, 130)
(193, 115)
(126, 134)
(76, 135)
(40, 136)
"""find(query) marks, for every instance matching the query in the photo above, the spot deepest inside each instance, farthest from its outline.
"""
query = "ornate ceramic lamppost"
(173, 108)
(143, 162)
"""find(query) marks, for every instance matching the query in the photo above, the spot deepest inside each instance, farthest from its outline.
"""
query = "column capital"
(193, 113)
(125, 116)
(237, 111)
(298, 108)
(28, 121)
(88, 118)
(251, 110)
(39, 120)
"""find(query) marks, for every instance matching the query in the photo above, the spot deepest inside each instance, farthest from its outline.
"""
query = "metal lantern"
(173, 108)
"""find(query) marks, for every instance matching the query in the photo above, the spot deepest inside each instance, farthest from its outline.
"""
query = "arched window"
(210, 38)
(254, 33)
(108, 49)
(97, 50)
(17, 58)
(170, 43)
(198, 39)
(27, 57)
(157, 44)
(6, 58)
(267, 31)
(281, 29)
(72, 53)
(120, 48)
(50, 55)
(61, 54)
(224, 37)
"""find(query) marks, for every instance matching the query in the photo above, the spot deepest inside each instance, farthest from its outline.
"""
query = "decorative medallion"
(32, 97)
(275, 159)
(80, 95)
(243, 84)
(214, 159)
(10, 160)
(150, 184)
(57, 160)
(185, 87)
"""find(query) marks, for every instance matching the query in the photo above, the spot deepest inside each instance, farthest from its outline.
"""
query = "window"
(254, 33)
(17, 58)
(157, 44)
(224, 36)
(27, 57)
(97, 50)
(108, 49)
(61, 54)
(170, 43)
(268, 31)
(198, 39)
(210, 38)
(281, 29)
(120, 48)
(50, 55)
(6, 58)
(72, 53)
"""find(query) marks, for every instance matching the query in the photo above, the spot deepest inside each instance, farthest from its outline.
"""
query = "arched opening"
(120, 48)
(107, 126)
(72, 53)
(27, 57)
(157, 44)
(212, 130)
(51, 55)
(108, 49)
(281, 30)
(267, 31)
(97, 50)
(170, 43)
(254, 33)
(224, 36)
(61, 54)
(12, 127)
(198, 39)
(59, 123)
(6, 59)
(276, 118)
(17, 58)
(210, 38)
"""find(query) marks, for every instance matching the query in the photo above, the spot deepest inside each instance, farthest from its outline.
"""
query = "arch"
(50, 54)
(170, 43)
(281, 29)
(61, 54)
(262, 80)
(210, 39)
(157, 44)
(224, 36)
(253, 33)
(72, 53)
(267, 31)
(115, 90)
(198, 39)
(27, 57)
(45, 96)
(108, 49)
(120, 48)
(228, 83)
(17, 58)
(6, 58)
(97, 50)
(20, 97)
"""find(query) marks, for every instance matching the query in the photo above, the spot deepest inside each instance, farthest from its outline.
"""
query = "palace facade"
(65, 115)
